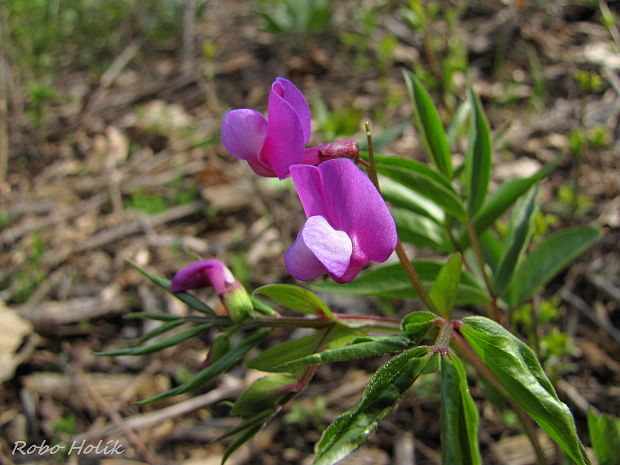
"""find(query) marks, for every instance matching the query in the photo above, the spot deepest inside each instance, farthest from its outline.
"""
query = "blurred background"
(110, 150)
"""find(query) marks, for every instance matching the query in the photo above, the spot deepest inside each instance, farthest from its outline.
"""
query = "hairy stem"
(475, 244)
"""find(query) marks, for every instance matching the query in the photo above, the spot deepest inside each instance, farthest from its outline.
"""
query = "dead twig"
(111, 413)
(145, 420)
(122, 231)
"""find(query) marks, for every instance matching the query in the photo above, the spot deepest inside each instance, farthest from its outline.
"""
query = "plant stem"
(473, 238)
(442, 342)
(375, 322)
(525, 420)
(400, 250)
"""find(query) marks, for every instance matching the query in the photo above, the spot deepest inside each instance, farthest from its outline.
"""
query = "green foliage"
(446, 286)
(390, 281)
(429, 126)
(415, 325)
(479, 157)
(459, 417)
(381, 394)
(605, 436)
(548, 259)
(515, 365)
(295, 16)
(295, 298)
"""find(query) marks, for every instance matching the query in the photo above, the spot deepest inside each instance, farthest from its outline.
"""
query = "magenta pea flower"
(212, 272)
(271, 145)
(348, 222)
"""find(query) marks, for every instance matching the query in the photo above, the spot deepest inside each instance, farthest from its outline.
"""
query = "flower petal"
(204, 273)
(296, 99)
(310, 190)
(355, 206)
(243, 133)
(319, 248)
(284, 144)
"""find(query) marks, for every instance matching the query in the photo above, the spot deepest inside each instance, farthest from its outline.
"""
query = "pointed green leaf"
(459, 416)
(418, 230)
(605, 437)
(429, 125)
(416, 324)
(262, 394)
(501, 199)
(377, 346)
(423, 180)
(382, 393)
(403, 197)
(458, 123)
(240, 440)
(515, 365)
(254, 420)
(273, 359)
(446, 285)
(216, 368)
(158, 331)
(184, 297)
(549, 258)
(153, 316)
(295, 298)
(160, 345)
(516, 242)
(491, 248)
(478, 158)
(391, 281)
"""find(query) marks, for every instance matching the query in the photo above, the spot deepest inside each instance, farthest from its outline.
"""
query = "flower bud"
(214, 273)
(344, 148)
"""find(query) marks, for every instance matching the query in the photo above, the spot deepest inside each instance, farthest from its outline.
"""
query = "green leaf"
(429, 125)
(459, 417)
(382, 393)
(446, 285)
(500, 200)
(391, 281)
(163, 344)
(263, 308)
(158, 331)
(262, 394)
(418, 230)
(273, 359)
(605, 437)
(416, 324)
(295, 298)
(216, 368)
(478, 158)
(372, 348)
(184, 297)
(240, 440)
(423, 180)
(254, 420)
(153, 316)
(403, 197)
(458, 123)
(516, 242)
(491, 248)
(549, 258)
(515, 365)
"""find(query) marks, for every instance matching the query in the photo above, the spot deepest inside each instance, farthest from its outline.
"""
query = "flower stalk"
(410, 271)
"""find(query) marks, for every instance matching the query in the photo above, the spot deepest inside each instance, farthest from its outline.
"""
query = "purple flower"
(348, 222)
(271, 145)
(212, 272)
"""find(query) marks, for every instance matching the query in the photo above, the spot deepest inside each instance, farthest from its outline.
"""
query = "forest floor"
(127, 164)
